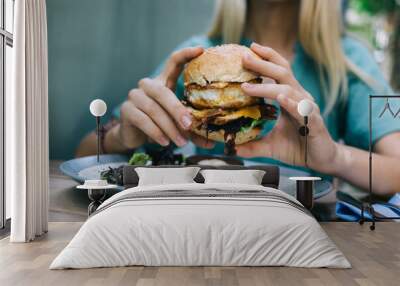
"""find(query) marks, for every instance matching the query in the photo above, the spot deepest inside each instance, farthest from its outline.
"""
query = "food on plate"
(140, 159)
(220, 109)
(113, 176)
(166, 156)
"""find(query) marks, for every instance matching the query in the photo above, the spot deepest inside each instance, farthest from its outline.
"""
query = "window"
(6, 60)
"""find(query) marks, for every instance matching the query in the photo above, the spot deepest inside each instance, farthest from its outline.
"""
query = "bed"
(201, 224)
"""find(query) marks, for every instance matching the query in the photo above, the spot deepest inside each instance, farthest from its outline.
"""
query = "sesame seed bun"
(219, 64)
(216, 100)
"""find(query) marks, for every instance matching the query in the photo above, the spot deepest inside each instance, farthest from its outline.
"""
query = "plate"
(87, 168)
(195, 159)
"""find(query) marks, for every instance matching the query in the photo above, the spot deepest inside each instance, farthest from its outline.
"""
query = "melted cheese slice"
(249, 112)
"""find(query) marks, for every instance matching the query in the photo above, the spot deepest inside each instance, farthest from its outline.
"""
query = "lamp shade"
(305, 107)
(98, 107)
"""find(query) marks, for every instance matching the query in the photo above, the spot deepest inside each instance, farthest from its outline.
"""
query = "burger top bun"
(219, 64)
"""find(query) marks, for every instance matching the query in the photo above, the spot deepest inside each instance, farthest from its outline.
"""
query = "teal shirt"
(348, 121)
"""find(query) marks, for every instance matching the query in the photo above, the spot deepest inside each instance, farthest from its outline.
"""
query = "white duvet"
(185, 230)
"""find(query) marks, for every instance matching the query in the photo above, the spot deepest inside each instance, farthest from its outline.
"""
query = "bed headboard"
(270, 179)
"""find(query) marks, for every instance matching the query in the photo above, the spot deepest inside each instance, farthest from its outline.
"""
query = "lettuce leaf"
(254, 123)
(139, 159)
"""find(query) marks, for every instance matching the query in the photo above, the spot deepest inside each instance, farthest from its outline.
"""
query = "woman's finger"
(175, 64)
(135, 117)
(268, 69)
(290, 105)
(167, 100)
(158, 115)
(129, 136)
(287, 97)
(270, 54)
(270, 90)
(315, 120)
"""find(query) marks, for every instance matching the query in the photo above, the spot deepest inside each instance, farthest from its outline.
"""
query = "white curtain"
(27, 157)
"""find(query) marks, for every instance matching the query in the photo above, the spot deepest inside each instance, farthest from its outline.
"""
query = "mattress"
(201, 225)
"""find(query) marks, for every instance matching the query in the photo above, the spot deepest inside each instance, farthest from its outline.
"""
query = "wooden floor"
(375, 257)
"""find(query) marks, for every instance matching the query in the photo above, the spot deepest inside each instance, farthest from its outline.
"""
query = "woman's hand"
(153, 111)
(284, 142)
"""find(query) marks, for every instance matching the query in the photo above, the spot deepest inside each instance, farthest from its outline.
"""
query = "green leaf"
(254, 123)
(139, 159)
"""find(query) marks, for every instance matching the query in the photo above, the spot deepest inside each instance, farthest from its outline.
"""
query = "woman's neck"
(274, 24)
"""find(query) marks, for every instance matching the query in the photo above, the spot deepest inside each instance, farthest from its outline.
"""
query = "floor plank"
(375, 257)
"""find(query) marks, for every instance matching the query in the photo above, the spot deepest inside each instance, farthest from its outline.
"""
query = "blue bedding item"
(350, 210)
(395, 200)
(386, 210)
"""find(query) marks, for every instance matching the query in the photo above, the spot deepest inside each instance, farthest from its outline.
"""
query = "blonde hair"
(320, 31)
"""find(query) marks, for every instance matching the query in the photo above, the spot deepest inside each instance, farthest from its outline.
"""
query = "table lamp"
(98, 108)
(305, 185)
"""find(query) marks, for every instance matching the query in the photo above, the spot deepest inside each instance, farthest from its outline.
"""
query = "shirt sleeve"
(356, 129)
(191, 42)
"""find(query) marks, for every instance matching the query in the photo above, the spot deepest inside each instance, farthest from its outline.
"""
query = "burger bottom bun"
(228, 97)
(241, 137)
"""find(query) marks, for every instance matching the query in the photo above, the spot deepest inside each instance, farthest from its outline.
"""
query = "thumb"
(176, 63)
(258, 148)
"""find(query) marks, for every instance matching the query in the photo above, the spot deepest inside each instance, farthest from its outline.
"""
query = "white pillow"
(248, 177)
(166, 176)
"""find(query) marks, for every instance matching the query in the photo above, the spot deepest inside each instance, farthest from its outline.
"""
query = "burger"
(221, 111)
